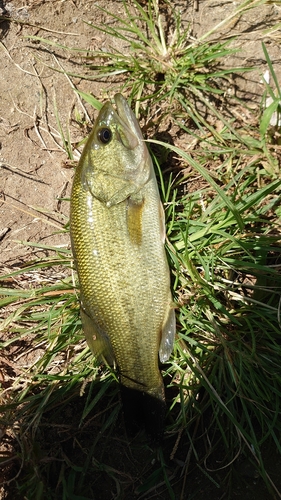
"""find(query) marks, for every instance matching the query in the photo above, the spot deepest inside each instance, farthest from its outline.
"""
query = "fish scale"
(120, 303)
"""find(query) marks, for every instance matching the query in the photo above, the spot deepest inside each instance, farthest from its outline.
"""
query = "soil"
(35, 172)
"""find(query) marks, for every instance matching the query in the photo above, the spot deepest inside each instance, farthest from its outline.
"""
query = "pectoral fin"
(134, 219)
(168, 336)
(97, 341)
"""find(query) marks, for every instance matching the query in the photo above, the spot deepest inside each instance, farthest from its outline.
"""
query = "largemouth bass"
(117, 231)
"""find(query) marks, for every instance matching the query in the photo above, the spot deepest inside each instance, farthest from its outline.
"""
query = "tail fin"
(143, 410)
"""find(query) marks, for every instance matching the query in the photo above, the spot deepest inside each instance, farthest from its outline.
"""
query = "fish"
(117, 228)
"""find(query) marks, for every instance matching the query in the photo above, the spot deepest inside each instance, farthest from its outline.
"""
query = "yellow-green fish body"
(117, 233)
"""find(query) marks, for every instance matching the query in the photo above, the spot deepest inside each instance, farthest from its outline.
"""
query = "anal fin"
(168, 336)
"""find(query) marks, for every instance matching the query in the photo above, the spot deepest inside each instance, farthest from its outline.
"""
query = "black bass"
(117, 232)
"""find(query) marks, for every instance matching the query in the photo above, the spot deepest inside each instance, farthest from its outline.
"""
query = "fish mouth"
(127, 116)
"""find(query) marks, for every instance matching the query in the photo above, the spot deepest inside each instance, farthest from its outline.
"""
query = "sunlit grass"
(165, 59)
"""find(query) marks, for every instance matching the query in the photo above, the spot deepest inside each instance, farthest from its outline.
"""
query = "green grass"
(61, 410)
(164, 61)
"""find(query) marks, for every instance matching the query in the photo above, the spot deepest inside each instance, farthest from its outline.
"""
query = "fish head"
(115, 163)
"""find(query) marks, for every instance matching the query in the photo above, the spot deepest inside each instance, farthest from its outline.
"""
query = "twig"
(3, 232)
(17, 65)
(25, 23)
(72, 86)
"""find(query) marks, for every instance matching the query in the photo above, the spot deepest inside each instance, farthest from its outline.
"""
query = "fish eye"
(105, 135)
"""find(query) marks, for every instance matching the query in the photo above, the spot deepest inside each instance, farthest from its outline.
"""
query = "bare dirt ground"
(33, 164)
